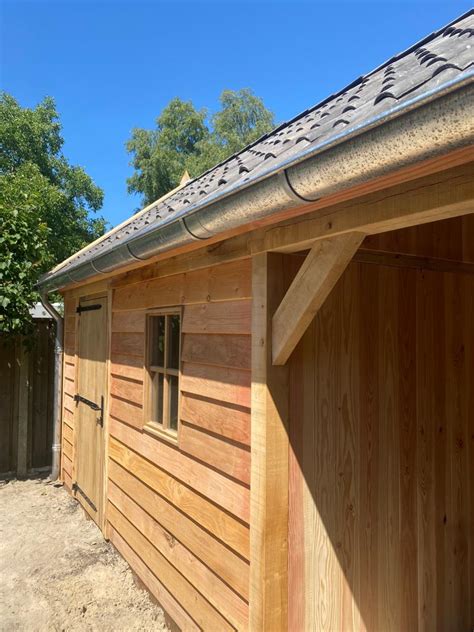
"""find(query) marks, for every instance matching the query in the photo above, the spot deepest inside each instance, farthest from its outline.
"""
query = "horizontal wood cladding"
(67, 464)
(127, 412)
(222, 560)
(227, 420)
(218, 318)
(200, 577)
(218, 383)
(70, 370)
(179, 512)
(128, 343)
(164, 597)
(67, 449)
(68, 433)
(69, 343)
(69, 390)
(222, 350)
(194, 603)
(231, 458)
(176, 469)
(128, 322)
(67, 480)
(127, 366)
(221, 283)
(69, 387)
(68, 417)
(124, 388)
(381, 459)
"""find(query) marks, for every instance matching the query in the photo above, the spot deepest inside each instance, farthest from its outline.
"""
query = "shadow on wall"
(381, 419)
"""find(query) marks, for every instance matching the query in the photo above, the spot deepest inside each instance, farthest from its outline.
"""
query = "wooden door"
(90, 404)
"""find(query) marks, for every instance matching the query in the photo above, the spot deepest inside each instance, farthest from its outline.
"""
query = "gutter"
(58, 375)
(423, 127)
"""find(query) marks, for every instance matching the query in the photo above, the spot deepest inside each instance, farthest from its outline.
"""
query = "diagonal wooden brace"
(322, 268)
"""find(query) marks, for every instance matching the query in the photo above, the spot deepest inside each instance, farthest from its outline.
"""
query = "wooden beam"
(269, 464)
(436, 197)
(396, 260)
(319, 273)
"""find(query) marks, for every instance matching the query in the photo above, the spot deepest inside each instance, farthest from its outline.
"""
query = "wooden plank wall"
(69, 389)
(382, 455)
(449, 240)
(8, 397)
(41, 383)
(180, 513)
(38, 397)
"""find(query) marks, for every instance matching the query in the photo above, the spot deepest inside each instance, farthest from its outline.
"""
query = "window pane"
(173, 342)
(157, 341)
(173, 395)
(157, 397)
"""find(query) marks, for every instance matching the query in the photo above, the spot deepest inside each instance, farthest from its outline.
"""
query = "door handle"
(93, 405)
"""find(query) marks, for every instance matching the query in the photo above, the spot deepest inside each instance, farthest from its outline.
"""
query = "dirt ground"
(58, 573)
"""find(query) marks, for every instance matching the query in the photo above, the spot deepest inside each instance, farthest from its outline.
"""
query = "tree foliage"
(188, 139)
(45, 206)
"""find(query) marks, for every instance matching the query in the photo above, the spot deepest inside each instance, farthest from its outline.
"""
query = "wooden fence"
(26, 401)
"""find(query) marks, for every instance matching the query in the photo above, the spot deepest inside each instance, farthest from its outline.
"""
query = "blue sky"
(113, 65)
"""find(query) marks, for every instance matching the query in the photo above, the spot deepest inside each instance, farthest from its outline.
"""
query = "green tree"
(160, 155)
(185, 139)
(45, 206)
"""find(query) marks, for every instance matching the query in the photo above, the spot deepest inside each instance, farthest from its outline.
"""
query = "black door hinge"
(75, 488)
(87, 308)
(93, 405)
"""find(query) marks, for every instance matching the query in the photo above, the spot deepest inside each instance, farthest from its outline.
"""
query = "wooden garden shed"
(268, 374)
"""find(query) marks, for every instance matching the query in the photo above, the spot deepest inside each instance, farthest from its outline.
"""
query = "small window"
(164, 336)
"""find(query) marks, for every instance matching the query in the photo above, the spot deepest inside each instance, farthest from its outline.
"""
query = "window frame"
(162, 429)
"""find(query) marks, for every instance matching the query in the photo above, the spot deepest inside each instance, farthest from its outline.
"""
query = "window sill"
(157, 431)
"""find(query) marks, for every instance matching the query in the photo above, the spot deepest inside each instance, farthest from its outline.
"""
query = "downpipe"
(58, 375)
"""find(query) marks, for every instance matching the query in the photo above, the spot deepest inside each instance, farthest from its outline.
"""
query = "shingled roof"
(438, 59)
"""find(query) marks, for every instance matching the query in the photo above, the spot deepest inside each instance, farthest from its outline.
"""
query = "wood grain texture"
(67, 465)
(225, 456)
(224, 562)
(69, 378)
(209, 516)
(269, 466)
(320, 271)
(230, 421)
(127, 366)
(198, 574)
(128, 322)
(161, 594)
(222, 283)
(194, 494)
(380, 417)
(232, 317)
(219, 383)
(130, 390)
(221, 350)
(67, 449)
(128, 344)
(447, 240)
(190, 599)
(127, 412)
